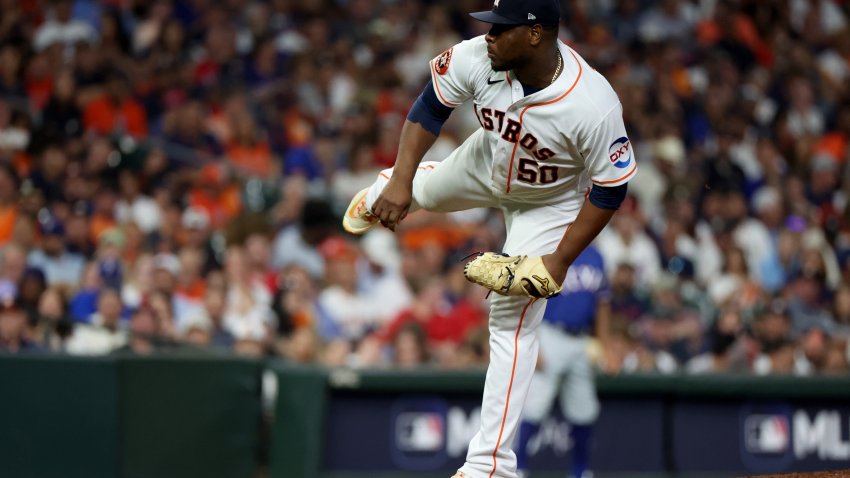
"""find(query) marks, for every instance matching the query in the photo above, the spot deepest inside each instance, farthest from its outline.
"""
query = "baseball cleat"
(358, 219)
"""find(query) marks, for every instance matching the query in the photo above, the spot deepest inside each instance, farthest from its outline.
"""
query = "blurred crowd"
(173, 174)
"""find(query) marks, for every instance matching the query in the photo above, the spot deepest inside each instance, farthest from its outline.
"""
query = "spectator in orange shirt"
(8, 202)
(38, 80)
(216, 195)
(103, 217)
(190, 283)
(248, 151)
(116, 111)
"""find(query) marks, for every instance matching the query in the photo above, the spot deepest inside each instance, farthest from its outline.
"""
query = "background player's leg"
(513, 347)
(579, 403)
(459, 182)
(527, 429)
(581, 435)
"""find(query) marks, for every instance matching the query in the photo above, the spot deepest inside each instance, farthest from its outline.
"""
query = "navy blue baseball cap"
(522, 12)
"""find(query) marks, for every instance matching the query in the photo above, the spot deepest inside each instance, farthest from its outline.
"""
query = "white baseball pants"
(462, 181)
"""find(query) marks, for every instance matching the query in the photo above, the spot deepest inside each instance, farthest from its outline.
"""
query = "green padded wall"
(189, 417)
(58, 418)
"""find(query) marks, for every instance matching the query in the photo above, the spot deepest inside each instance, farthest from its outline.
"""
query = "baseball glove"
(512, 275)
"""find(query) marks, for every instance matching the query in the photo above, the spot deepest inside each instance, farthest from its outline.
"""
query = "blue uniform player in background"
(564, 368)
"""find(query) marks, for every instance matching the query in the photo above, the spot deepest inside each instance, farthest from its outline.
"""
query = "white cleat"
(358, 219)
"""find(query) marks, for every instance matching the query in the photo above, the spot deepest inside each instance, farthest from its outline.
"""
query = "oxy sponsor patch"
(620, 152)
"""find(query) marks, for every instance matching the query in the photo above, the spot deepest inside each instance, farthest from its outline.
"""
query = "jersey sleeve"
(608, 153)
(451, 74)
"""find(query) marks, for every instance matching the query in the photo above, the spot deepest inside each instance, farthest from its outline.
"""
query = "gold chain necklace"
(557, 70)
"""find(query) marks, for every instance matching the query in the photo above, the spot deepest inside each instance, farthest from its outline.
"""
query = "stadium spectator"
(673, 326)
(60, 267)
(302, 346)
(806, 302)
(138, 140)
(134, 206)
(14, 332)
(143, 333)
(359, 173)
(668, 20)
(62, 118)
(52, 326)
(380, 275)
(772, 330)
(727, 346)
(735, 282)
(32, 286)
(259, 255)
(628, 303)
(247, 314)
(209, 321)
(103, 333)
(352, 313)
(445, 320)
(116, 112)
(295, 303)
(163, 312)
(8, 209)
(409, 347)
(198, 329)
(625, 241)
(62, 29)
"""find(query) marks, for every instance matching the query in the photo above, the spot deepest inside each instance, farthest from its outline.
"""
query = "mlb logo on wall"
(767, 434)
(418, 433)
(767, 437)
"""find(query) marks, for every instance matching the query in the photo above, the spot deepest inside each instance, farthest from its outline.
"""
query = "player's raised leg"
(461, 181)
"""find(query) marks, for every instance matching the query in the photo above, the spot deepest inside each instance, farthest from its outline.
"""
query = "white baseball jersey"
(548, 145)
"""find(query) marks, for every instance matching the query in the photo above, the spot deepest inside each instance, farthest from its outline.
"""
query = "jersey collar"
(565, 81)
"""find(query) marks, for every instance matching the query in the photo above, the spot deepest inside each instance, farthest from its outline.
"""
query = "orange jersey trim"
(634, 168)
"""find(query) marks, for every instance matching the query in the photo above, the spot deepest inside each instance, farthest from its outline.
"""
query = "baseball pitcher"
(552, 153)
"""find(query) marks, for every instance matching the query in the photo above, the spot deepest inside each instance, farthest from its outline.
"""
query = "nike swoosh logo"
(491, 82)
